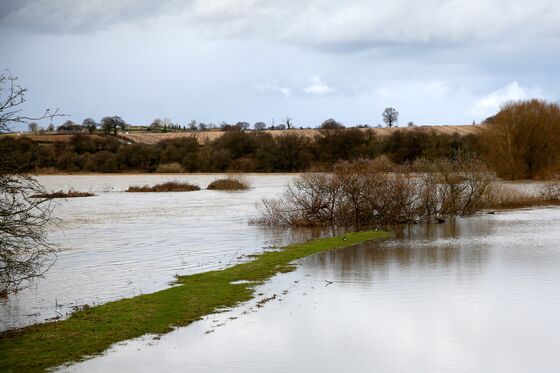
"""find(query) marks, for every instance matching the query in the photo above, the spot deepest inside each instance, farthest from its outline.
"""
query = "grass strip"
(91, 331)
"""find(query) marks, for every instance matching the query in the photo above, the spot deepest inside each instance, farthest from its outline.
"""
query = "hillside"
(152, 138)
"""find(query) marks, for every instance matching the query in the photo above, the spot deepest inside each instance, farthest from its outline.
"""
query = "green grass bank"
(91, 331)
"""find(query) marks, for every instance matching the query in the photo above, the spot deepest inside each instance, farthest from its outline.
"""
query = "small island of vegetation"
(170, 186)
(62, 194)
(229, 183)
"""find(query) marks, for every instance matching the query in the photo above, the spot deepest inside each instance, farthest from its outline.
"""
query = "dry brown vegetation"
(522, 141)
(361, 193)
(61, 194)
(171, 186)
(170, 168)
(229, 183)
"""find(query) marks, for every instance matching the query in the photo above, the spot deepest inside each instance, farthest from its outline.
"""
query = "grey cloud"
(70, 16)
(326, 24)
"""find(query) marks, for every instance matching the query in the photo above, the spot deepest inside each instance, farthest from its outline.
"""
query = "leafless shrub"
(551, 190)
(25, 252)
(361, 193)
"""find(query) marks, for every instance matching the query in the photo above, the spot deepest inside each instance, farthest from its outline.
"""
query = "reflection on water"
(120, 244)
(477, 294)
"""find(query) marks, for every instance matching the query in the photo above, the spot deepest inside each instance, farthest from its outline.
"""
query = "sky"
(435, 61)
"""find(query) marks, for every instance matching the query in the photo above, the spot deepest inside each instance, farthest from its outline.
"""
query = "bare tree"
(289, 122)
(25, 252)
(12, 95)
(390, 116)
(89, 124)
(113, 124)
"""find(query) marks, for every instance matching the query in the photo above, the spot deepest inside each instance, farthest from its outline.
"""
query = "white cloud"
(317, 87)
(272, 86)
(490, 104)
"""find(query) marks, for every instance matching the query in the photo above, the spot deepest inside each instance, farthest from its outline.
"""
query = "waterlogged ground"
(120, 244)
(478, 294)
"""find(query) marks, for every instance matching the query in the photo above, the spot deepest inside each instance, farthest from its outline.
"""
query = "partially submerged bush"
(229, 183)
(170, 168)
(171, 186)
(60, 194)
(361, 193)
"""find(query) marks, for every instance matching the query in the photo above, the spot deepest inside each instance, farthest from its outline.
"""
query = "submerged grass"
(92, 330)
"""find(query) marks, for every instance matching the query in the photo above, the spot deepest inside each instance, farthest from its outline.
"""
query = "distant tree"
(281, 126)
(242, 126)
(156, 125)
(330, 127)
(410, 124)
(113, 124)
(193, 125)
(202, 127)
(259, 126)
(50, 127)
(331, 124)
(288, 122)
(89, 124)
(33, 127)
(390, 116)
(69, 126)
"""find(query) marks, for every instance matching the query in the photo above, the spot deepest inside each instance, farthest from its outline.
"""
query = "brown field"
(152, 138)
(46, 138)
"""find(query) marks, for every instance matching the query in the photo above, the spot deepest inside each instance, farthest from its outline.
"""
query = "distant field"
(153, 138)
(49, 138)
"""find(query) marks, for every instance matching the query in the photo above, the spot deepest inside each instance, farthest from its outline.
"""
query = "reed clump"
(229, 183)
(170, 186)
(61, 194)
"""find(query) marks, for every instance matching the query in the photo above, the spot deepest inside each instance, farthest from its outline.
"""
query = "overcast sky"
(435, 61)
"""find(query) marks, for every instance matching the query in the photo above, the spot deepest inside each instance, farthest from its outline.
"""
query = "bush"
(60, 194)
(229, 183)
(362, 193)
(523, 139)
(171, 186)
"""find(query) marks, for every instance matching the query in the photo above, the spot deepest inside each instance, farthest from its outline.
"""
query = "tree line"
(236, 151)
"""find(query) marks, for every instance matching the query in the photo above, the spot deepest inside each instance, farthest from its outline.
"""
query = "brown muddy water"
(478, 294)
(119, 244)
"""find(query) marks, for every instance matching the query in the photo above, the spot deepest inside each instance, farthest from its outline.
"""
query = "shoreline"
(93, 330)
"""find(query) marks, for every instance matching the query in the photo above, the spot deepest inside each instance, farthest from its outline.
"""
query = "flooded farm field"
(119, 244)
(476, 294)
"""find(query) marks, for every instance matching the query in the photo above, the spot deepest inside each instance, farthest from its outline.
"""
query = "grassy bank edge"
(93, 330)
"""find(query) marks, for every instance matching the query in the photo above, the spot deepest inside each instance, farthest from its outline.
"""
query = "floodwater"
(119, 244)
(478, 294)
